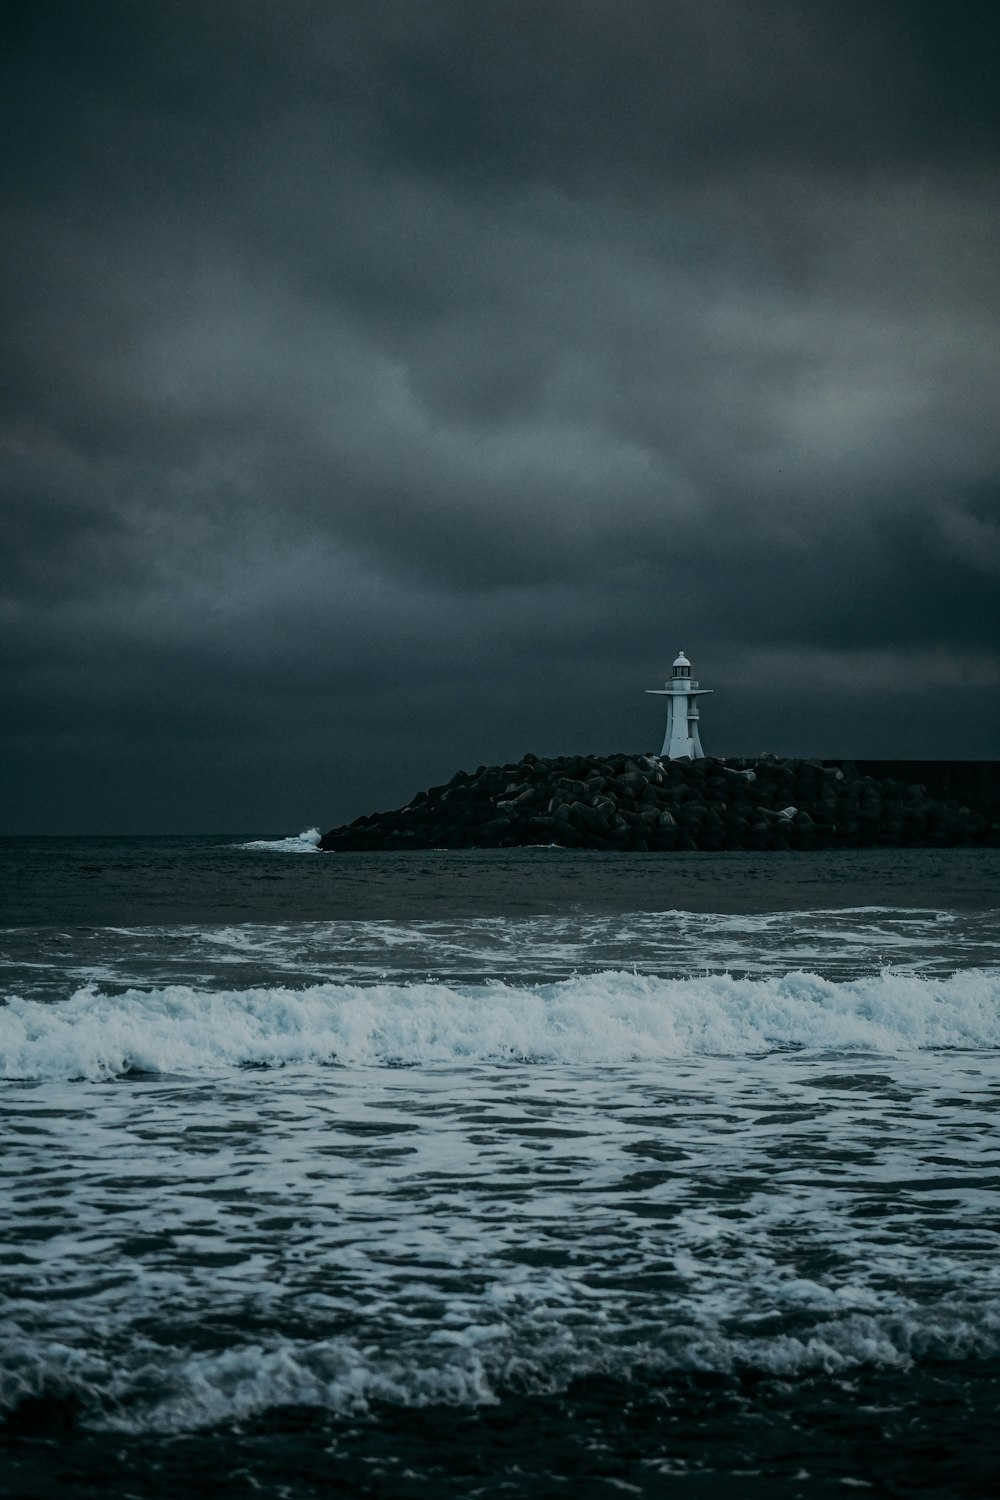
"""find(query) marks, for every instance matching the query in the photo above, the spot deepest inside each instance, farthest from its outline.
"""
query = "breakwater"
(642, 802)
(973, 782)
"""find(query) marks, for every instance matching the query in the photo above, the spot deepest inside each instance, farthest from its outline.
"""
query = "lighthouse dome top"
(682, 661)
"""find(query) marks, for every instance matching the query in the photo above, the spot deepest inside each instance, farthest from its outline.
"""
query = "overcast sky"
(391, 386)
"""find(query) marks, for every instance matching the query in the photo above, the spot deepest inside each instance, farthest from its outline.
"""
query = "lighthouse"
(682, 694)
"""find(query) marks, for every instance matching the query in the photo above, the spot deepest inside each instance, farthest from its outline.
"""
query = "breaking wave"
(154, 1388)
(306, 842)
(597, 1019)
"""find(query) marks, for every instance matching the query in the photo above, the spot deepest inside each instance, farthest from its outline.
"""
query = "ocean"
(526, 1173)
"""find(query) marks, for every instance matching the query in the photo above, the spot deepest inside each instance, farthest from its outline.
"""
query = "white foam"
(48, 964)
(306, 842)
(156, 1388)
(595, 1019)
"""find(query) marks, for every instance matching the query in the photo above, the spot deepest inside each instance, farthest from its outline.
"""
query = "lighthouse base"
(681, 740)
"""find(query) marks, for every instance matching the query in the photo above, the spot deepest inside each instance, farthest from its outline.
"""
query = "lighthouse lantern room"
(682, 694)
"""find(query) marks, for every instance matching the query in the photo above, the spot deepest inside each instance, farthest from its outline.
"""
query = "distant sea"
(509, 1173)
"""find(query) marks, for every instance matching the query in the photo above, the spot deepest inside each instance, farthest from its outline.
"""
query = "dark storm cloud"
(436, 369)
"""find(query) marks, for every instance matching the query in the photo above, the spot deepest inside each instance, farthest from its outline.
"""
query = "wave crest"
(604, 1018)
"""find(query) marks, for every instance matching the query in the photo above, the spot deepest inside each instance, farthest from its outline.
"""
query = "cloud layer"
(392, 386)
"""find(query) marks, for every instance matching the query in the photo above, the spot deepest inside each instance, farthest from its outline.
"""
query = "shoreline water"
(490, 1178)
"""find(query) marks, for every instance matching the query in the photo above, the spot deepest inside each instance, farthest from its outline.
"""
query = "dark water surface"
(210, 879)
(524, 1173)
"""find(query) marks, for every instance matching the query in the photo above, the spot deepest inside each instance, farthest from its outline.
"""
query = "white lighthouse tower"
(682, 694)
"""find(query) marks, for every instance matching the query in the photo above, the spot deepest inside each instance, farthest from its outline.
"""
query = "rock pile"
(642, 802)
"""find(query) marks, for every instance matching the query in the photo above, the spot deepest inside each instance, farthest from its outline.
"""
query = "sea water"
(511, 1173)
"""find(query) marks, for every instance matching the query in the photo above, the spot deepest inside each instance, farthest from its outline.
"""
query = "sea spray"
(306, 842)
